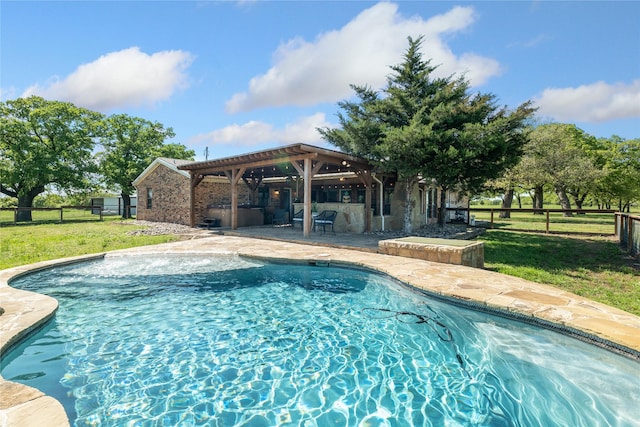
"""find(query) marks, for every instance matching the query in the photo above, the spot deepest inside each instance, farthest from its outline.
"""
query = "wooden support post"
(234, 176)
(491, 226)
(367, 180)
(307, 169)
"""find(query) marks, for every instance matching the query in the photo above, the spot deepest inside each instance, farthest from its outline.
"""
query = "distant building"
(113, 205)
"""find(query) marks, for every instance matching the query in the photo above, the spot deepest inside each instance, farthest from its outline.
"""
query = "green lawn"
(527, 221)
(29, 243)
(50, 216)
(591, 266)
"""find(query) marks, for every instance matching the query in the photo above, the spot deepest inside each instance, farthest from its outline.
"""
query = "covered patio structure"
(298, 161)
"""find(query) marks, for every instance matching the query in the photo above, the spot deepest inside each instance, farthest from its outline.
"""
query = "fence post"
(629, 234)
(491, 226)
(61, 215)
(547, 221)
(15, 216)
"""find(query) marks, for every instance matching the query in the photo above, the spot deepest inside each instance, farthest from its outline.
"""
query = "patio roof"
(301, 160)
(281, 162)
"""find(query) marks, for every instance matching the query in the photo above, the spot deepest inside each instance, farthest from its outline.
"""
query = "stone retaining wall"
(459, 252)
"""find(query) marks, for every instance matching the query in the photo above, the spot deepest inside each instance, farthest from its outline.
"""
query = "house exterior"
(248, 189)
(164, 192)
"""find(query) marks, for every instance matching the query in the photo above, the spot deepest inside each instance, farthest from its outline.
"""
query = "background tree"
(44, 143)
(506, 187)
(130, 145)
(555, 156)
(620, 179)
(424, 127)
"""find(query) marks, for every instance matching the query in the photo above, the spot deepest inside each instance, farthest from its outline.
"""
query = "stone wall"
(395, 221)
(213, 192)
(459, 252)
(350, 217)
(170, 197)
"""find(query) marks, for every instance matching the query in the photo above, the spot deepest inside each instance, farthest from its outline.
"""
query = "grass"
(50, 216)
(527, 221)
(29, 243)
(590, 266)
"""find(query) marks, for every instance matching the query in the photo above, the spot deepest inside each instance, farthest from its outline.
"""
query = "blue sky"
(236, 77)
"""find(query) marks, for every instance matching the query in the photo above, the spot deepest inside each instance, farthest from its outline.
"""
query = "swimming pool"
(229, 341)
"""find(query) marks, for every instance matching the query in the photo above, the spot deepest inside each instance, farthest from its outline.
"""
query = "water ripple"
(230, 342)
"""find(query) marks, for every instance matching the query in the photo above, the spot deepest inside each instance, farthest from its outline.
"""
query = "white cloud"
(306, 73)
(597, 102)
(256, 132)
(121, 79)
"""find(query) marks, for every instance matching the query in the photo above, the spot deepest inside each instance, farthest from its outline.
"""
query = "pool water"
(226, 341)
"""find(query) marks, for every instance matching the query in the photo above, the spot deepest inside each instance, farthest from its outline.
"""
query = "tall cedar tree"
(430, 128)
(44, 143)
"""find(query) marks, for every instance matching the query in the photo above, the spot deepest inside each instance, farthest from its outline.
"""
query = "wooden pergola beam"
(308, 161)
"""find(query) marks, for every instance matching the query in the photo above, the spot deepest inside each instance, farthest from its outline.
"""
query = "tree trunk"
(507, 200)
(26, 201)
(538, 199)
(408, 206)
(126, 209)
(565, 203)
(442, 212)
(579, 200)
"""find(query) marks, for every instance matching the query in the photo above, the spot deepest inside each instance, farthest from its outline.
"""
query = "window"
(149, 198)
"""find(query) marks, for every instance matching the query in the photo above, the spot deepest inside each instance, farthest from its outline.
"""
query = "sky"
(236, 77)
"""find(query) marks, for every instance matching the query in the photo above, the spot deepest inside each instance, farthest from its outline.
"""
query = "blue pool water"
(225, 341)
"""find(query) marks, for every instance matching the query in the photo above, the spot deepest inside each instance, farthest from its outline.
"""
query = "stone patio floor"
(22, 405)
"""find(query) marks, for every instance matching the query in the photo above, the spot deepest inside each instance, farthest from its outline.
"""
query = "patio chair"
(325, 218)
(298, 217)
(279, 217)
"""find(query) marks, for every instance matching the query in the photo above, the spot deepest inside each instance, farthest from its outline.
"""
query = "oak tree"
(130, 144)
(44, 143)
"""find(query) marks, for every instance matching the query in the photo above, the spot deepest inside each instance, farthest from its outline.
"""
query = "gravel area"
(162, 228)
(450, 231)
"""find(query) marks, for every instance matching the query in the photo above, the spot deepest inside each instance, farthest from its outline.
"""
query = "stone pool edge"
(497, 292)
(24, 312)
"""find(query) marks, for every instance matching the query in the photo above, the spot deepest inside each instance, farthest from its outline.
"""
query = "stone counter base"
(448, 251)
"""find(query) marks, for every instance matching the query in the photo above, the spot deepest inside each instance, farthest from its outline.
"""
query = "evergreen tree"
(432, 128)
